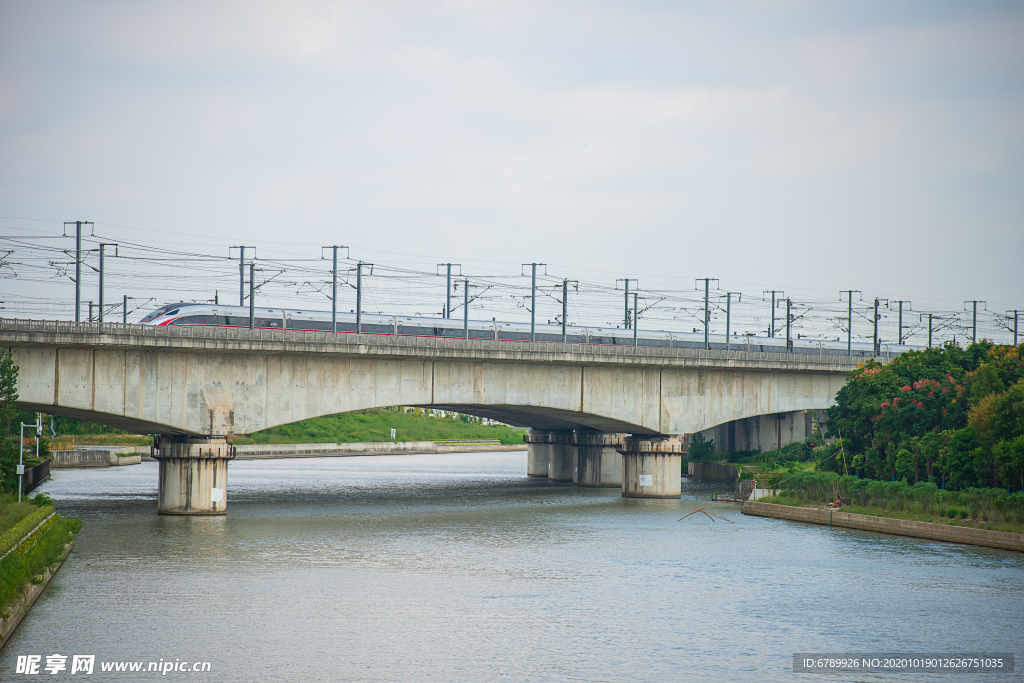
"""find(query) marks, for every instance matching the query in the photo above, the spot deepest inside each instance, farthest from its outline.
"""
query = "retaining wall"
(888, 525)
(95, 457)
(35, 475)
(713, 471)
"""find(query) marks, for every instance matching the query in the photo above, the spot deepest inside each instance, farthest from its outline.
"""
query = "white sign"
(216, 495)
(394, 433)
(21, 469)
(646, 480)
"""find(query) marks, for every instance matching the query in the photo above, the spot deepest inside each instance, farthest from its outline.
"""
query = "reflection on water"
(460, 568)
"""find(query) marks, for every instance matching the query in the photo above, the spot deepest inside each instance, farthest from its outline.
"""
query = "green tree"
(8, 448)
(701, 450)
(905, 465)
(1008, 420)
(1010, 456)
(985, 381)
(932, 446)
(957, 466)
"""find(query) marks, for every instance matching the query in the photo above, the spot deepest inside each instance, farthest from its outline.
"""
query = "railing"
(340, 341)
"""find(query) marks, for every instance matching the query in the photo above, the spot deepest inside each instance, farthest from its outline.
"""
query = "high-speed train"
(207, 315)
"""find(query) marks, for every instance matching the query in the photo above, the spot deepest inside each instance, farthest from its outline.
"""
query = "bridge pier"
(597, 461)
(193, 475)
(652, 466)
(538, 453)
(563, 456)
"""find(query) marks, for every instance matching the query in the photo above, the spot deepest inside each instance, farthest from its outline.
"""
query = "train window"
(160, 311)
(152, 316)
(196, 320)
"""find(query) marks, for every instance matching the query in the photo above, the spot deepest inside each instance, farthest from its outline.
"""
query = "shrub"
(15, 533)
(42, 500)
(701, 450)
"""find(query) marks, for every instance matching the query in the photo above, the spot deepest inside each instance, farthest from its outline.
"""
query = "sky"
(802, 146)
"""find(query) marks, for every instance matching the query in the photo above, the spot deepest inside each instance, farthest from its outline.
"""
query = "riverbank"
(113, 456)
(19, 607)
(888, 525)
(34, 542)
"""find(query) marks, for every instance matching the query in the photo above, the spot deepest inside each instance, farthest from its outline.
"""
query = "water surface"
(459, 568)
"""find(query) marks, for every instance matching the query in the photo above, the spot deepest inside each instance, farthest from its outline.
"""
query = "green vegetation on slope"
(1001, 510)
(29, 558)
(949, 415)
(376, 425)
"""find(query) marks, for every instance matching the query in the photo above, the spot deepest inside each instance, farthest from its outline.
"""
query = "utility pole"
(636, 311)
(773, 292)
(359, 297)
(124, 309)
(875, 348)
(974, 322)
(1014, 326)
(334, 283)
(241, 272)
(78, 265)
(728, 317)
(788, 320)
(707, 311)
(533, 299)
(448, 289)
(900, 336)
(565, 305)
(21, 451)
(252, 296)
(771, 328)
(849, 324)
(465, 311)
(929, 328)
(627, 281)
(102, 245)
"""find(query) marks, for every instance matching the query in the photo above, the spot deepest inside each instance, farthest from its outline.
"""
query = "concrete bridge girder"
(210, 393)
(762, 432)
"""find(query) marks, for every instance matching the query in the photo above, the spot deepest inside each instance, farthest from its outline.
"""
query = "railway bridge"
(585, 404)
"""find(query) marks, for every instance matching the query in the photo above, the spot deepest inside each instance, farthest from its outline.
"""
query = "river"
(460, 568)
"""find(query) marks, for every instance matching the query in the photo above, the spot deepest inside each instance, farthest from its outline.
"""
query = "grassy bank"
(932, 518)
(28, 558)
(376, 425)
(12, 513)
(100, 440)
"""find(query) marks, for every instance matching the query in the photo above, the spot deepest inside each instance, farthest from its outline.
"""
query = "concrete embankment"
(320, 450)
(21, 605)
(96, 457)
(889, 525)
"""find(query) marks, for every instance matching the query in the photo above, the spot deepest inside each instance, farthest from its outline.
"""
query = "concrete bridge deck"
(197, 380)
